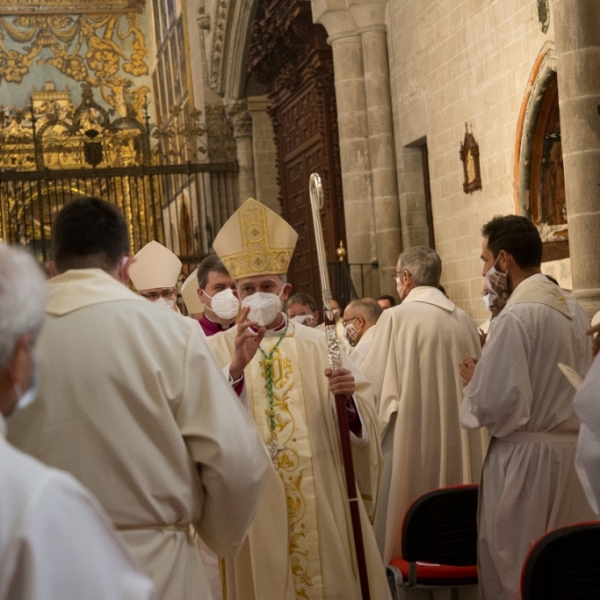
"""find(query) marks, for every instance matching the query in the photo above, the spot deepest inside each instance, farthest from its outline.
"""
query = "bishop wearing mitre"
(300, 544)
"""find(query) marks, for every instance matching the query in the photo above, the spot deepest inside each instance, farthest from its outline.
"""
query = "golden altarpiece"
(78, 114)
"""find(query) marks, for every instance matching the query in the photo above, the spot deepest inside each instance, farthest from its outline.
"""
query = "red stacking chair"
(439, 541)
(564, 564)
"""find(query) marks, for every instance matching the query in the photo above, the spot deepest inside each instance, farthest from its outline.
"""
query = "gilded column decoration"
(217, 46)
(240, 119)
(221, 143)
(203, 20)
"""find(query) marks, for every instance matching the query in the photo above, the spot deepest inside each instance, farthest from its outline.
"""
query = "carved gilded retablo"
(68, 6)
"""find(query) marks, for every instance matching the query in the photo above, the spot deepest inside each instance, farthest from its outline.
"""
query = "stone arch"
(542, 76)
(539, 171)
(231, 31)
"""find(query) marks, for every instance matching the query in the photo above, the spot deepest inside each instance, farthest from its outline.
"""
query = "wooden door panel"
(291, 56)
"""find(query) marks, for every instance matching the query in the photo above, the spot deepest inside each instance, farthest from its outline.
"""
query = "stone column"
(264, 153)
(241, 121)
(381, 146)
(578, 68)
(354, 148)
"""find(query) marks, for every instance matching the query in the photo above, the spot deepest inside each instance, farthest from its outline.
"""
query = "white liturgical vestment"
(132, 403)
(413, 365)
(56, 542)
(529, 483)
(300, 543)
(587, 407)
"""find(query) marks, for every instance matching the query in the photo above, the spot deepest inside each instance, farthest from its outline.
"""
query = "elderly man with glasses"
(413, 366)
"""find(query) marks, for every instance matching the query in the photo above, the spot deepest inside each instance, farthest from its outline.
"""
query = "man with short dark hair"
(360, 318)
(216, 290)
(302, 308)
(412, 365)
(386, 301)
(529, 484)
(132, 403)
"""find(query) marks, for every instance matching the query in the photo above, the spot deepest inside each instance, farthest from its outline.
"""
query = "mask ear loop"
(494, 265)
(18, 390)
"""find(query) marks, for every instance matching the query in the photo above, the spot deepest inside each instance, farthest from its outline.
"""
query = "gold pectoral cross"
(274, 448)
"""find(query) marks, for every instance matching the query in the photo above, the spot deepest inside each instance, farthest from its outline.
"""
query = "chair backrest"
(564, 564)
(441, 527)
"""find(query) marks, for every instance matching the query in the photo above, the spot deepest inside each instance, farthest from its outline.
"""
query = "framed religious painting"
(469, 155)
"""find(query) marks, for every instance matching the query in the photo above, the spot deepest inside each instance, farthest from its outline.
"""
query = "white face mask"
(350, 333)
(488, 300)
(25, 399)
(400, 288)
(497, 285)
(166, 302)
(307, 320)
(225, 304)
(264, 307)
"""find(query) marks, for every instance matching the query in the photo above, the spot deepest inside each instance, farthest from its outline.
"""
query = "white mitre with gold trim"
(189, 293)
(255, 241)
(155, 267)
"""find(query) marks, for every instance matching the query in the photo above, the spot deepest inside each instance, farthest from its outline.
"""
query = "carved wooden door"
(291, 55)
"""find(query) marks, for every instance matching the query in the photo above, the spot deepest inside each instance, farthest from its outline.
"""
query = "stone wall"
(454, 62)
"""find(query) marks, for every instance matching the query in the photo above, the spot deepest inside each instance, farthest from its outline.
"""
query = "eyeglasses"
(396, 276)
(166, 293)
(346, 321)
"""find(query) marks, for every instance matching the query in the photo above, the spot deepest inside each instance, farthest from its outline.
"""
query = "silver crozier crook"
(335, 362)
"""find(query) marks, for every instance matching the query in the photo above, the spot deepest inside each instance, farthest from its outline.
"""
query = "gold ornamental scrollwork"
(8, 7)
(86, 48)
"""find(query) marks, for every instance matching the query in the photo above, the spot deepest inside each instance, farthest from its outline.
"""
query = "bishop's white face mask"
(166, 302)
(225, 304)
(264, 307)
(307, 320)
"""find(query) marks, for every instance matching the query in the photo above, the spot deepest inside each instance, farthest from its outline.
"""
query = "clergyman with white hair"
(413, 366)
(55, 539)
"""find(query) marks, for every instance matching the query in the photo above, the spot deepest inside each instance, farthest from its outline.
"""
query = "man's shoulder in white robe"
(55, 539)
(131, 389)
(408, 337)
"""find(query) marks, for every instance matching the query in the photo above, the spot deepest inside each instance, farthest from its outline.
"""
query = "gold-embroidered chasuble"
(300, 544)
(294, 459)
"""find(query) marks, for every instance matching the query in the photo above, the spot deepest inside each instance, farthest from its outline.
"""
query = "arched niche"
(229, 41)
(539, 173)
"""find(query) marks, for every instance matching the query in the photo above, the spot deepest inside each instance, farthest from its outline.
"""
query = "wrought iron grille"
(181, 206)
(52, 152)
